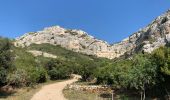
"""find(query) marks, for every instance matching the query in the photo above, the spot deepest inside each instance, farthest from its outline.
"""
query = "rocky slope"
(147, 39)
(76, 40)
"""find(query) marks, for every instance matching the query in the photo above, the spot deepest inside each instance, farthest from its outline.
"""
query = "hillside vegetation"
(145, 74)
(21, 68)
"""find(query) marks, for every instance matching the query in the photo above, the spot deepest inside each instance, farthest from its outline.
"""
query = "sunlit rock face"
(76, 40)
(147, 39)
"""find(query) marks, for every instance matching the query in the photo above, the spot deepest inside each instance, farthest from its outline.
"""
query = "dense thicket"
(24, 69)
(142, 72)
(68, 62)
(6, 60)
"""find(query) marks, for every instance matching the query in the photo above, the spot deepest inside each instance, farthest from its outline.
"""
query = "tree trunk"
(167, 93)
(141, 95)
(144, 94)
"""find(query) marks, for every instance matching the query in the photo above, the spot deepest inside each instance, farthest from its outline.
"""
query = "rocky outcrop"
(147, 39)
(76, 40)
(40, 53)
(90, 88)
(154, 35)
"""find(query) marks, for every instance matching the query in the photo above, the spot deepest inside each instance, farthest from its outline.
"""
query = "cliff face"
(76, 40)
(147, 39)
(153, 36)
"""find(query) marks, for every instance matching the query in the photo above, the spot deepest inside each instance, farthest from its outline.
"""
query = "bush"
(37, 75)
(59, 73)
(161, 57)
(58, 69)
(24, 77)
(3, 75)
(18, 78)
(114, 74)
(140, 73)
(6, 59)
(143, 74)
(87, 70)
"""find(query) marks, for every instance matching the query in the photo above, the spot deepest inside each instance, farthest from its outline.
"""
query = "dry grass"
(83, 95)
(80, 95)
(71, 94)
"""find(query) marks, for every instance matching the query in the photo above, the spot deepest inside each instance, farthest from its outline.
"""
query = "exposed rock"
(40, 53)
(90, 88)
(147, 39)
(76, 40)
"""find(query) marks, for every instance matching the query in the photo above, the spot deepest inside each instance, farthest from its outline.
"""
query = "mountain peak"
(146, 39)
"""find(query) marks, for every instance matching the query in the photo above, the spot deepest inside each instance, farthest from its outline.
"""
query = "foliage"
(30, 66)
(37, 75)
(70, 61)
(6, 59)
(162, 59)
(87, 69)
(30, 70)
(114, 73)
(17, 78)
(141, 72)
(57, 69)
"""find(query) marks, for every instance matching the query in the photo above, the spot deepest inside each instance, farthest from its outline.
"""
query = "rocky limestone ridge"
(151, 37)
(147, 39)
(76, 40)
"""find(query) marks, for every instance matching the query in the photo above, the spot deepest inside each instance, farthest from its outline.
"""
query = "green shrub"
(6, 60)
(18, 78)
(3, 75)
(143, 74)
(24, 77)
(57, 69)
(37, 75)
(33, 66)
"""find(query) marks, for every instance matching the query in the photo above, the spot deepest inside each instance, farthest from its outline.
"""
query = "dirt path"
(54, 91)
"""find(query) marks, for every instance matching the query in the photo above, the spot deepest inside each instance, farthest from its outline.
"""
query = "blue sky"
(110, 20)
